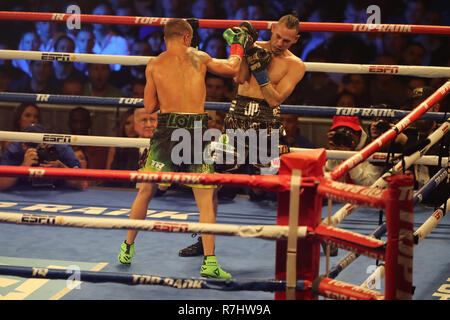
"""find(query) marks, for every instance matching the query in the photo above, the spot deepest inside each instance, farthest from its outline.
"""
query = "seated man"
(39, 155)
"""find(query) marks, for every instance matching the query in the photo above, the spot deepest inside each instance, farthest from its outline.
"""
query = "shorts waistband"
(253, 107)
(182, 120)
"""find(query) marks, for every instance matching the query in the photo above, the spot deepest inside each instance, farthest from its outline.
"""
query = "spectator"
(413, 55)
(216, 88)
(63, 70)
(126, 129)
(24, 115)
(414, 82)
(345, 100)
(106, 41)
(394, 44)
(356, 84)
(346, 134)
(81, 156)
(154, 37)
(215, 46)
(80, 124)
(132, 158)
(127, 75)
(46, 31)
(318, 89)
(147, 8)
(415, 12)
(232, 7)
(84, 43)
(29, 42)
(73, 87)
(39, 82)
(437, 47)
(5, 78)
(205, 9)
(294, 138)
(39, 155)
(128, 32)
(175, 9)
(98, 84)
(386, 88)
(137, 90)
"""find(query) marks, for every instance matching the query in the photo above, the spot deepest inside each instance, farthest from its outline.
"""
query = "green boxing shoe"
(210, 269)
(126, 253)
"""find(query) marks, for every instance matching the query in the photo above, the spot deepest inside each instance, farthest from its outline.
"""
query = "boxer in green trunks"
(160, 158)
(175, 83)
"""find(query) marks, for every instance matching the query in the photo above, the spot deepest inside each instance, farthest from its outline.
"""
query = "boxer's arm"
(243, 74)
(276, 94)
(150, 96)
(223, 67)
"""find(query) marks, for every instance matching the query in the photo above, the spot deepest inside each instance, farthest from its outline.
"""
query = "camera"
(382, 126)
(46, 153)
(343, 136)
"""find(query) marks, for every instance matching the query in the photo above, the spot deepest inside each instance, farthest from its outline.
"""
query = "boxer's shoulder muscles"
(196, 57)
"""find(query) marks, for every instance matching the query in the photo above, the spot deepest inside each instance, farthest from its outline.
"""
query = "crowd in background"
(316, 89)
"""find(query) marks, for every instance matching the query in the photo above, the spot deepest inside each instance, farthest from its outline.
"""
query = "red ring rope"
(223, 24)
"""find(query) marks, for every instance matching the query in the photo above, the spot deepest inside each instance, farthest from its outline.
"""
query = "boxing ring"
(52, 248)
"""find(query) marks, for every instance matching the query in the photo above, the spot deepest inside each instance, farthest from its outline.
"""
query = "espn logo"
(56, 138)
(55, 57)
(38, 219)
(383, 69)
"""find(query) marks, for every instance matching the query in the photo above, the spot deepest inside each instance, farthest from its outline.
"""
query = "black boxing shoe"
(193, 250)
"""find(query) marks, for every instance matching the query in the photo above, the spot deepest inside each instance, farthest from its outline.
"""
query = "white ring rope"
(421, 233)
(266, 232)
(401, 70)
(119, 142)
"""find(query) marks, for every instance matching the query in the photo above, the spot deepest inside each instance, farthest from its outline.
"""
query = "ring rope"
(344, 239)
(83, 140)
(245, 231)
(381, 229)
(419, 235)
(389, 135)
(400, 70)
(142, 279)
(347, 209)
(223, 24)
(315, 111)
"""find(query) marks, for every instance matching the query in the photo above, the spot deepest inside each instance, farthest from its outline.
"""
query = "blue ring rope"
(313, 111)
(139, 279)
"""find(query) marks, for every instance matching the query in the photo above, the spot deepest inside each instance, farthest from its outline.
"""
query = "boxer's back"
(180, 81)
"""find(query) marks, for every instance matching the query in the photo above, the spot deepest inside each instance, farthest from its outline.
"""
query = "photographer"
(346, 134)
(39, 155)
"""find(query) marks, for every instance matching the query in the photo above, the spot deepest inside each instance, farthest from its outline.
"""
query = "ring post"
(400, 237)
(310, 214)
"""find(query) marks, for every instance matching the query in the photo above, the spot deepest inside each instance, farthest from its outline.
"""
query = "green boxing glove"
(258, 60)
(237, 40)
